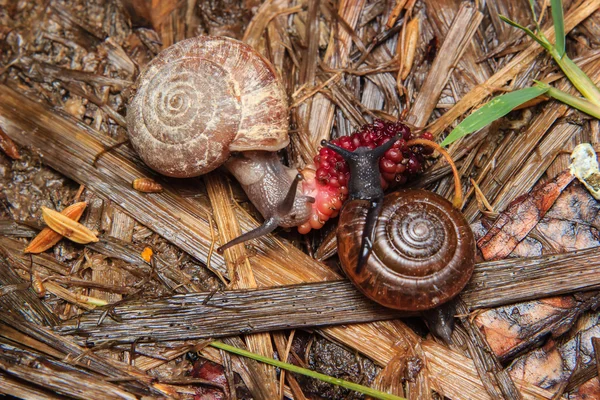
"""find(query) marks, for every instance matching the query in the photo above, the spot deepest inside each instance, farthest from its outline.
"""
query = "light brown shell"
(202, 98)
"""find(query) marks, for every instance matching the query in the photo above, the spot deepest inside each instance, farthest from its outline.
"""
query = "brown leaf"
(589, 390)
(410, 47)
(508, 329)
(68, 228)
(556, 364)
(47, 237)
(521, 216)
(543, 367)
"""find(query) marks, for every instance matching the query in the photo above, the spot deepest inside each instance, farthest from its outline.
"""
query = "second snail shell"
(423, 250)
(202, 98)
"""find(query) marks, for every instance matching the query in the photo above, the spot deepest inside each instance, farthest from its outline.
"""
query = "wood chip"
(395, 13)
(147, 254)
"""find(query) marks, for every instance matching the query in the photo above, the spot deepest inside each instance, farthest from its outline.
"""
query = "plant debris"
(48, 237)
(584, 165)
(67, 227)
(147, 185)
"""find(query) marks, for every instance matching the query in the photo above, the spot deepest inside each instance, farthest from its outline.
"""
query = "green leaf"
(559, 26)
(313, 374)
(491, 111)
(528, 31)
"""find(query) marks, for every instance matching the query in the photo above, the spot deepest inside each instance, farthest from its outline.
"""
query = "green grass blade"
(528, 31)
(535, 19)
(494, 109)
(289, 367)
(559, 26)
(576, 102)
(578, 78)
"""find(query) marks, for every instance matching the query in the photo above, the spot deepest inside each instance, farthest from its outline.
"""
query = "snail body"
(410, 250)
(262, 175)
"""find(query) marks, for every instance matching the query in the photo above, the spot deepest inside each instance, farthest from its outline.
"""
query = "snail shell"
(422, 255)
(202, 98)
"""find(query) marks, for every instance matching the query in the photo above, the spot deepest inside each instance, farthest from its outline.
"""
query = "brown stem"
(458, 195)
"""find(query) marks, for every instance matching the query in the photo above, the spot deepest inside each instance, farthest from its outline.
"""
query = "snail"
(211, 101)
(410, 250)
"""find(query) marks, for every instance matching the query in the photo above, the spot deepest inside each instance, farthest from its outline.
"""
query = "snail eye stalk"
(366, 243)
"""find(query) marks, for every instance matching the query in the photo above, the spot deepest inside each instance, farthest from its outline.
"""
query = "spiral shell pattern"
(423, 253)
(202, 98)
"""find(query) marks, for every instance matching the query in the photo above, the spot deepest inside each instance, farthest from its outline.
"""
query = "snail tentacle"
(288, 202)
(368, 236)
(267, 227)
(272, 221)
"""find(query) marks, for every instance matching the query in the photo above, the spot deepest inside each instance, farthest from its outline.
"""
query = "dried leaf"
(8, 146)
(510, 329)
(521, 216)
(555, 365)
(68, 228)
(589, 390)
(410, 48)
(47, 237)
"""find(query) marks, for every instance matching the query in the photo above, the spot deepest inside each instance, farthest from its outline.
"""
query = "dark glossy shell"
(423, 253)
(202, 98)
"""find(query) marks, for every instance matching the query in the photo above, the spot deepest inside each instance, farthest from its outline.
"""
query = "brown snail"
(410, 250)
(202, 100)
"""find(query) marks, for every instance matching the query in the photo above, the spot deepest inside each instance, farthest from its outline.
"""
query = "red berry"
(427, 135)
(387, 166)
(396, 165)
(413, 164)
(394, 155)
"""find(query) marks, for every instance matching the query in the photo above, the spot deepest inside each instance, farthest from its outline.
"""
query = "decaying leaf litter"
(65, 85)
